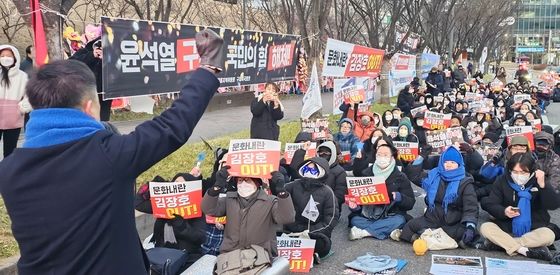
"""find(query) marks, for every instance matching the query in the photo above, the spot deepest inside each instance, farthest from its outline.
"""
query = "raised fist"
(209, 47)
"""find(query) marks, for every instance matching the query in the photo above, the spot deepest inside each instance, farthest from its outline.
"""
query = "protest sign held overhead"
(421, 109)
(520, 98)
(176, 198)
(319, 128)
(407, 151)
(367, 190)
(343, 59)
(354, 94)
(254, 158)
(298, 251)
(291, 148)
(436, 121)
(526, 131)
(148, 57)
(369, 84)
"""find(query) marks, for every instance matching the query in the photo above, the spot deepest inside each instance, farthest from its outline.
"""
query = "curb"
(144, 226)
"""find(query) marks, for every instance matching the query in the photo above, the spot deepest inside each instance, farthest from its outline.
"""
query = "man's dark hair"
(525, 161)
(28, 49)
(61, 84)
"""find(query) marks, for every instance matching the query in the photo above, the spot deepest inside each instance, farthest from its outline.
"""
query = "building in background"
(536, 33)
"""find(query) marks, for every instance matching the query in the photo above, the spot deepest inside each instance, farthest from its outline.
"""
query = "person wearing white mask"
(13, 103)
(378, 221)
(519, 201)
(252, 215)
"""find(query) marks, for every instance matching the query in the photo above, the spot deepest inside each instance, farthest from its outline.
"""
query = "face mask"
(500, 103)
(524, 111)
(374, 139)
(389, 117)
(245, 189)
(521, 180)
(403, 132)
(397, 116)
(376, 121)
(420, 122)
(365, 121)
(428, 100)
(6, 61)
(383, 162)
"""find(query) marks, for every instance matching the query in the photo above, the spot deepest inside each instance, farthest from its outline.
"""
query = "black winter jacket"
(264, 122)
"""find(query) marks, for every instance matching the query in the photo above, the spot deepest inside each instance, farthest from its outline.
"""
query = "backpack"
(166, 261)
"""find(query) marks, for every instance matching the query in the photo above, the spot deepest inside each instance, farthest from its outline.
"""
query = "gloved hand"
(222, 177)
(277, 183)
(469, 235)
(177, 221)
(465, 147)
(426, 151)
(144, 192)
(209, 47)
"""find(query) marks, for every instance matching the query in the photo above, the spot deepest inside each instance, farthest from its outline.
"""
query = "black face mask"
(325, 155)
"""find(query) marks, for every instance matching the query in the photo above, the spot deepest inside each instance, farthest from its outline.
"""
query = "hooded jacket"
(336, 178)
(410, 137)
(13, 102)
(549, 162)
(361, 131)
(349, 142)
(302, 189)
(405, 100)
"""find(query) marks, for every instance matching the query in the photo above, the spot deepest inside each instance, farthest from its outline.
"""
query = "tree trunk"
(419, 66)
(384, 84)
(53, 34)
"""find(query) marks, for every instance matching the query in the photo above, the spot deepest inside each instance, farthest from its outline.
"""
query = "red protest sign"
(364, 61)
(436, 121)
(291, 148)
(353, 94)
(298, 251)
(214, 220)
(537, 125)
(253, 158)
(181, 198)
(526, 131)
(367, 190)
(408, 151)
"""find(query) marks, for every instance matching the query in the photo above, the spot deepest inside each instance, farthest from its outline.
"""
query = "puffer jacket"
(361, 131)
(302, 189)
(13, 103)
(463, 210)
(549, 162)
(502, 196)
(348, 142)
(336, 178)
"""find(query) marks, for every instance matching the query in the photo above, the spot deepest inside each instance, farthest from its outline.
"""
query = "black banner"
(146, 57)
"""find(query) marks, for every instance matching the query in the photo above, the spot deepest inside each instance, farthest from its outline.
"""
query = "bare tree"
(344, 24)
(11, 23)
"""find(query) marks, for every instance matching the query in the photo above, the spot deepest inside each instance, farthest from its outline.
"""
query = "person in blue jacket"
(69, 190)
(348, 142)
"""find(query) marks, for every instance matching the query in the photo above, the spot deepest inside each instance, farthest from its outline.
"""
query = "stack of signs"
(526, 131)
(253, 158)
(421, 109)
(298, 251)
(436, 121)
(180, 198)
(291, 148)
(408, 151)
(318, 128)
(520, 98)
(353, 94)
(446, 264)
(392, 131)
(367, 190)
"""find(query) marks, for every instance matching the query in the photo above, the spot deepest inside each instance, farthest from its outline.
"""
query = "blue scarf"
(522, 223)
(52, 126)
(452, 177)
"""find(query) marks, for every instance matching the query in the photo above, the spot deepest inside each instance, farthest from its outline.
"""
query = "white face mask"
(389, 117)
(420, 122)
(500, 103)
(245, 189)
(382, 162)
(6, 61)
(521, 180)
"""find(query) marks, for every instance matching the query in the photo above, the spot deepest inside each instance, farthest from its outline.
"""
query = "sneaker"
(356, 233)
(316, 258)
(539, 253)
(487, 245)
(396, 235)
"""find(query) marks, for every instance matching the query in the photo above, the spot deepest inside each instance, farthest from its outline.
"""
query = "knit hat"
(347, 120)
(519, 140)
(452, 154)
(303, 137)
(491, 136)
(405, 121)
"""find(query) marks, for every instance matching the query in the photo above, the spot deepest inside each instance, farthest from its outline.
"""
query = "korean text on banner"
(369, 84)
(436, 121)
(291, 148)
(526, 131)
(402, 72)
(253, 158)
(214, 220)
(367, 190)
(354, 94)
(343, 59)
(298, 251)
(180, 198)
(521, 98)
(421, 109)
(407, 151)
(147, 57)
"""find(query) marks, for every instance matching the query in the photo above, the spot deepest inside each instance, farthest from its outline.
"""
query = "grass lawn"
(180, 161)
